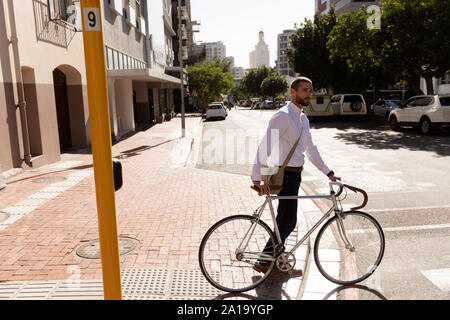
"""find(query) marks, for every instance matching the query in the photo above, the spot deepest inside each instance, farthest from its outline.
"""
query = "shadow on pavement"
(270, 289)
(123, 155)
(354, 292)
(376, 135)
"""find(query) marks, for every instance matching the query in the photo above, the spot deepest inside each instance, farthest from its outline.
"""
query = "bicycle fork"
(342, 234)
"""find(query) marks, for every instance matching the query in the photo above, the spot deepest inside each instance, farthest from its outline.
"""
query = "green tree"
(351, 41)
(210, 79)
(252, 81)
(416, 38)
(310, 56)
(411, 43)
(274, 85)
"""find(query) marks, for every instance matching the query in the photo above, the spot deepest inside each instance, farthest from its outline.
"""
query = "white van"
(320, 106)
(348, 105)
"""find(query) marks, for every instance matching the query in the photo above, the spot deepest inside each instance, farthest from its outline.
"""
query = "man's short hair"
(295, 84)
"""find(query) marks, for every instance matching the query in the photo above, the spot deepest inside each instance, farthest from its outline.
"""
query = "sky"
(237, 23)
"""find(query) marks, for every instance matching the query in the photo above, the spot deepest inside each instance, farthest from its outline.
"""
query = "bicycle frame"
(331, 196)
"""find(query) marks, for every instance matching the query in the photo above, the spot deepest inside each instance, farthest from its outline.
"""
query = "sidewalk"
(48, 218)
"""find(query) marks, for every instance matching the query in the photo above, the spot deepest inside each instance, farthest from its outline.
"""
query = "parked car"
(248, 103)
(216, 111)
(348, 104)
(222, 104)
(320, 106)
(424, 112)
(382, 108)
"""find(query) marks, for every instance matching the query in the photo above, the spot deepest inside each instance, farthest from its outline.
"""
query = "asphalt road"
(406, 174)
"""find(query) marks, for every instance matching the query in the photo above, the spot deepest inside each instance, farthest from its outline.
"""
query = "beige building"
(261, 55)
(43, 94)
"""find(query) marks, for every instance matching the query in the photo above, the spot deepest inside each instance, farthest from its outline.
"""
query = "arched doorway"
(69, 108)
(62, 110)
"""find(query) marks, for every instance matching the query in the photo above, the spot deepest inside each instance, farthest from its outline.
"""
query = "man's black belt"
(293, 169)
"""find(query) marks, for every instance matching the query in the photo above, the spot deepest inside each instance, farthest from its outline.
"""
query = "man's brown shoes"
(276, 274)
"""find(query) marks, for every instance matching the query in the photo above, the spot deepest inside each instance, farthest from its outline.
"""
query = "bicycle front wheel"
(348, 249)
(230, 249)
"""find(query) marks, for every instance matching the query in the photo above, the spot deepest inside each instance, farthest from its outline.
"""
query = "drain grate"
(91, 249)
(49, 180)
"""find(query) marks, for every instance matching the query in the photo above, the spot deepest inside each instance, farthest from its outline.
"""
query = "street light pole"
(180, 59)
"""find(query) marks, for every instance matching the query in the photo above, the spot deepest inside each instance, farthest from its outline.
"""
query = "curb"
(323, 208)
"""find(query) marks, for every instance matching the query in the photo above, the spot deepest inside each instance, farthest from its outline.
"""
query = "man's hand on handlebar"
(264, 188)
(332, 177)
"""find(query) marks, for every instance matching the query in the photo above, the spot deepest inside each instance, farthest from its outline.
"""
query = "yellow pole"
(94, 51)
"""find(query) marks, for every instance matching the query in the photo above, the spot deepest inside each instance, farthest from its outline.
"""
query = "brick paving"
(167, 209)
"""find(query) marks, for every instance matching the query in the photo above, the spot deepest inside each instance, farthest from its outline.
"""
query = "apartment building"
(261, 55)
(139, 48)
(215, 49)
(187, 31)
(342, 6)
(43, 93)
(283, 44)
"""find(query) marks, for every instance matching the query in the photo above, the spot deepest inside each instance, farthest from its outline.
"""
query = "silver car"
(382, 108)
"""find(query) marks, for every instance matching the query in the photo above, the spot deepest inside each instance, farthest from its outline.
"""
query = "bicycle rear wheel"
(348, 250)
(230, 249)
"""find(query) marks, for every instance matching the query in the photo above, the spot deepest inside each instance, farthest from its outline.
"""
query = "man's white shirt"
(282, 133)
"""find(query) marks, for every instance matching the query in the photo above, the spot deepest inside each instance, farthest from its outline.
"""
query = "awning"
(144, 75)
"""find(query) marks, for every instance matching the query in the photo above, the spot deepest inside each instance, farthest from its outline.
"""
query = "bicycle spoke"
(220, 252)
(350, 264)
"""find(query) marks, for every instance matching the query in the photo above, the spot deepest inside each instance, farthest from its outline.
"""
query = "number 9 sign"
(91, 19)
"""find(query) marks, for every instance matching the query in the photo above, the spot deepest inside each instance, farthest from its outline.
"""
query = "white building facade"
(215, 49)
(261, 55)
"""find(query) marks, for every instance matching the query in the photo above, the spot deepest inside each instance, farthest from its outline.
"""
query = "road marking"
(425, 184)
(410, 208)
(410, 228)
(439, 277)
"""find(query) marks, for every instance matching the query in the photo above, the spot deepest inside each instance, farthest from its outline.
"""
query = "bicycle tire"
(346, 266)
(234, 275)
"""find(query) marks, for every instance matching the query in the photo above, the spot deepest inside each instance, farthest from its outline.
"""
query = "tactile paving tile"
(137, 284)
(145, 282)
(192, 283)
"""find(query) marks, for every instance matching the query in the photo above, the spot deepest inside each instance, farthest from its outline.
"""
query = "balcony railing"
(57, 32)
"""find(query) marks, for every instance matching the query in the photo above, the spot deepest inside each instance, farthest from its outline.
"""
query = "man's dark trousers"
(287, 209)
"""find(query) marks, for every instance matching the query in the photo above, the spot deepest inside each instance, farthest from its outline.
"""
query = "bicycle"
(347, 250)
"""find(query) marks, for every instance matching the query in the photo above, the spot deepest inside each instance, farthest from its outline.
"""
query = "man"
(285, 127)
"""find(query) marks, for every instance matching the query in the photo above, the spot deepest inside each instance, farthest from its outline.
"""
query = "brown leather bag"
(275, 174)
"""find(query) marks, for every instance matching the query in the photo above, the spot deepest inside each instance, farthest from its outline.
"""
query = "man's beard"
(301, 102)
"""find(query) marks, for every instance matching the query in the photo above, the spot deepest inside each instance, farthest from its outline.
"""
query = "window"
(426, 101)
(419, 102)
(352, 99)
(61, 10)
(445, 101)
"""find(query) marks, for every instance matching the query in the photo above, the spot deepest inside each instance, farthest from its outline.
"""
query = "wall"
(120, 35)
(41, 51)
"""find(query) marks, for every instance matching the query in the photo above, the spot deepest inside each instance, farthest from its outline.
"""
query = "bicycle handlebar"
(341, 188)
(355, 190)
